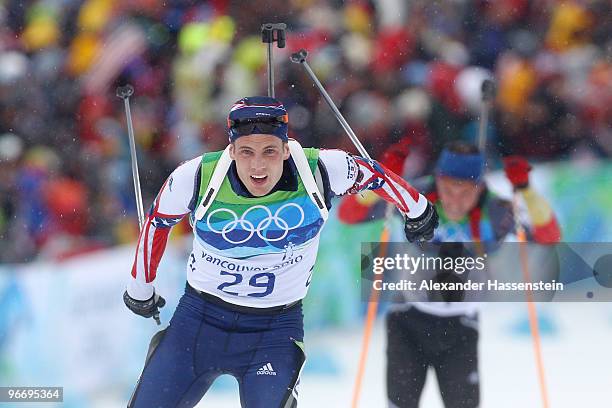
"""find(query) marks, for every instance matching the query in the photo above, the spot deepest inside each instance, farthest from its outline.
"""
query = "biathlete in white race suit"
(257, 209)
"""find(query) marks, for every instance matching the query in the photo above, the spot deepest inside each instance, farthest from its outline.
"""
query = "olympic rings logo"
(247, 225)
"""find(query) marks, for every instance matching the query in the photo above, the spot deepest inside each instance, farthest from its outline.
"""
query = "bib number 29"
(262, 280)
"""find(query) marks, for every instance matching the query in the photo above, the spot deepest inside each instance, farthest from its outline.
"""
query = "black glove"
(145, 308)
(422, 228)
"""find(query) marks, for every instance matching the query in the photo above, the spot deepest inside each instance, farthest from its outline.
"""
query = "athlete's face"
(457, 196)
(259, 161)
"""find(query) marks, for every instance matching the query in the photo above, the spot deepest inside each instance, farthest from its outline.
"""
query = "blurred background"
(403, 72)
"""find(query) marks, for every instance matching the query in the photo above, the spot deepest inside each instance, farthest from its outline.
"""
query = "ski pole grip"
(280, 40)
(125, 91)
(299, 57)
(267, 34)
(269, 29)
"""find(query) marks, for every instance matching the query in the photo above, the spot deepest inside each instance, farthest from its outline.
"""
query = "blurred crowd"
(406, 73)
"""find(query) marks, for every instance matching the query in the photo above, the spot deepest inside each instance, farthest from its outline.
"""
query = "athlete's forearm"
(389, 186)
(151, 246)
(170, 206)
(350, 174)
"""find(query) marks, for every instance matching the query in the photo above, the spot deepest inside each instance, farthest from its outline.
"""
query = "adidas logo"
(266, 370)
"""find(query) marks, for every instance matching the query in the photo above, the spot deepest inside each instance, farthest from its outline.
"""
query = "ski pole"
(488, 92)
(268, 37)
(124, 92)
(300, 58)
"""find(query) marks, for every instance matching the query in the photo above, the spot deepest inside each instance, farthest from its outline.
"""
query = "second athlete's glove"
(517, 170)
(422, 228)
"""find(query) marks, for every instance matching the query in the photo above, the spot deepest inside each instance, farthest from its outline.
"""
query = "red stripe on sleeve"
(146, 249)
(414, 194)
(160, 239)
(149, 276)
(399, 201)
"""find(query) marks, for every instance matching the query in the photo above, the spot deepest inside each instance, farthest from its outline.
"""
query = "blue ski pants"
(262, 349)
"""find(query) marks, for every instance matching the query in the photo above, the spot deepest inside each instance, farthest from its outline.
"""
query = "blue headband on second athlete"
(461, 166)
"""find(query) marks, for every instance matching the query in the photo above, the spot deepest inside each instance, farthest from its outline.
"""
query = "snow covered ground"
(92, 346)
(576, 341)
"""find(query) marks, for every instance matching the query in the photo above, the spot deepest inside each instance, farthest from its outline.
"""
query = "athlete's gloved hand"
(145, 308)
(517, 170)
(422, 228)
